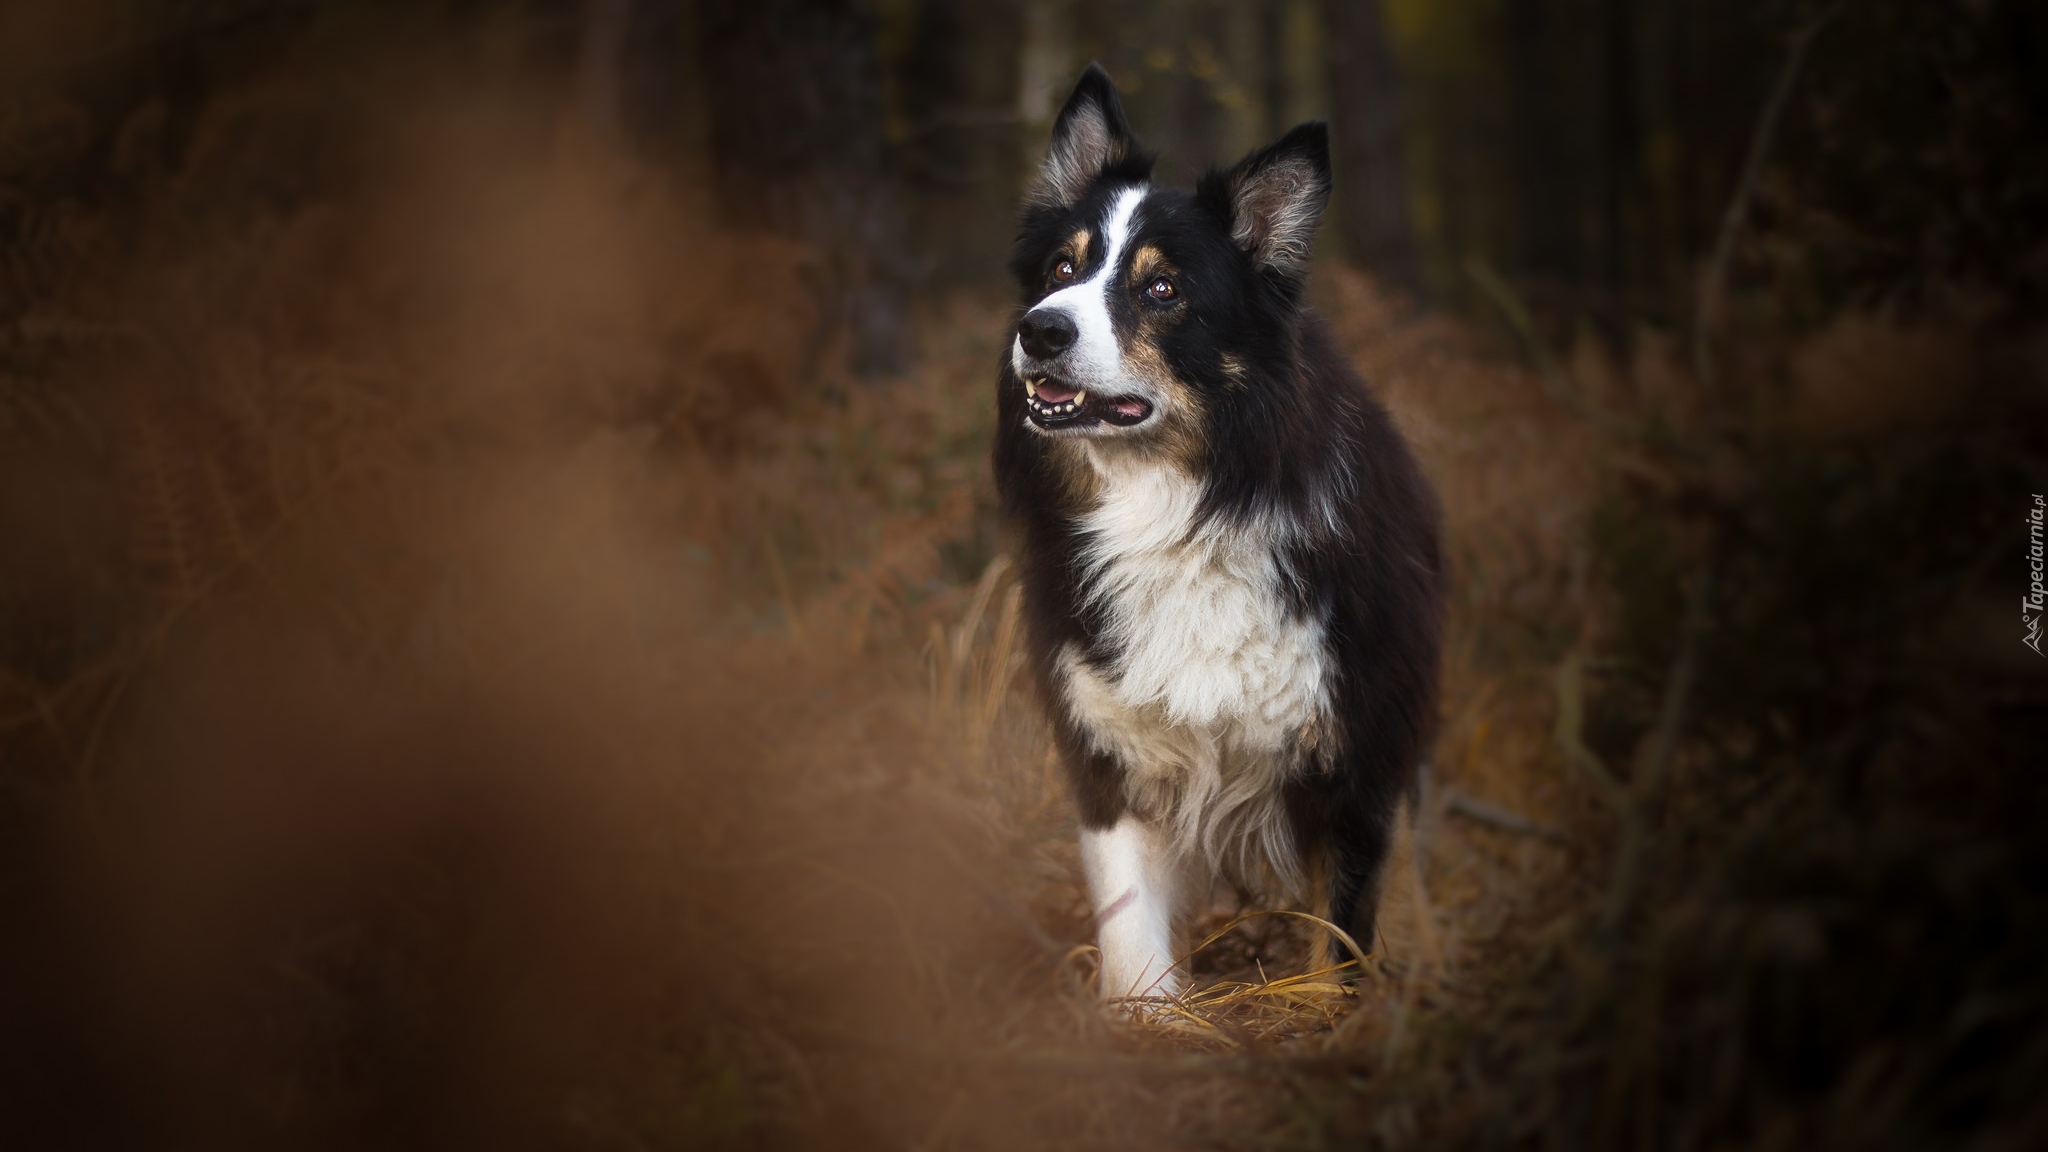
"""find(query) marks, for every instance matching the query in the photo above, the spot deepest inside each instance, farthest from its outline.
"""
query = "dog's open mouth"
(1054, 404)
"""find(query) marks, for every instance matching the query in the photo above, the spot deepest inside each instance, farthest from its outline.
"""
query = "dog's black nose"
(1046, 332)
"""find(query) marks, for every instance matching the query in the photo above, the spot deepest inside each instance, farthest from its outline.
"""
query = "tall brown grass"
(475, 672)
(478, 673)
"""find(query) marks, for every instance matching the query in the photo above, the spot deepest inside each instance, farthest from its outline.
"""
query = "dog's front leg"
(1135, 883)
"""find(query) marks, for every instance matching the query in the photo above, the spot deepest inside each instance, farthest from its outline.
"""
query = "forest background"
(505, 639)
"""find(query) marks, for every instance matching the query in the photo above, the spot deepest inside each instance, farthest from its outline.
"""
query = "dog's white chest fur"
(1214, 681)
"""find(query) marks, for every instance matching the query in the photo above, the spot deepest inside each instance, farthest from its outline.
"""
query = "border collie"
(1231, 568)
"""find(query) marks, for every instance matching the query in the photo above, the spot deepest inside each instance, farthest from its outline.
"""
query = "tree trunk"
(1371, 173)
(601, 65)
(1547, 190)
(957, 87)
(1618, 151)
(1197, 116)
(1272, 21)
(794, 97)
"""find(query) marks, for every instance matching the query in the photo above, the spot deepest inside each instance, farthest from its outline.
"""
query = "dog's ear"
(1274, 198)
(1089, 138)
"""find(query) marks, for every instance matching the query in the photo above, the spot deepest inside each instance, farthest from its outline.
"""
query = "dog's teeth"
(1031, 389)
(1078, 397)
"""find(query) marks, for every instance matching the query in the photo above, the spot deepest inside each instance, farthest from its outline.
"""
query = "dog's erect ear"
(1089, 138)
(1275, 196)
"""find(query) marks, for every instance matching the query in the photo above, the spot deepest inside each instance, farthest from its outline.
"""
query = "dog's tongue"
(1132, 408)
(1053, 393)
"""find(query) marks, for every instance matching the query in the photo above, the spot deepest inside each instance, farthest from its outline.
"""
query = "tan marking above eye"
(1151, 271)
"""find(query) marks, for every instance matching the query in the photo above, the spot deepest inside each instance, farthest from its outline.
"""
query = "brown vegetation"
(476, 671)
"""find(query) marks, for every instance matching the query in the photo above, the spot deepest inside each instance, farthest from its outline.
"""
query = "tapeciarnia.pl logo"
(2036, 598)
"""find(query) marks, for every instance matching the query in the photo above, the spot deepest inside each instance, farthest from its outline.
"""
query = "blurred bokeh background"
(505, 639)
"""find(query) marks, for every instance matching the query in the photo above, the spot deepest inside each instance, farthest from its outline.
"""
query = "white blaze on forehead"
(1095, 360)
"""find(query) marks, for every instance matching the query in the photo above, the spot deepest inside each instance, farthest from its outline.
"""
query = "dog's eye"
(1162, 290)
(1063, 271)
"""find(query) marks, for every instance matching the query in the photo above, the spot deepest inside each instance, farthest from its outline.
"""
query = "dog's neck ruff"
(1196, 616)
(1205, 678)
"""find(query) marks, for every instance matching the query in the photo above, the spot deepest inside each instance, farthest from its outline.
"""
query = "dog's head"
(1146, 309)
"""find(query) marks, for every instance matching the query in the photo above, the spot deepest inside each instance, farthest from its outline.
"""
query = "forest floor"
(1493, 856)
(475, 672)
(521, 648)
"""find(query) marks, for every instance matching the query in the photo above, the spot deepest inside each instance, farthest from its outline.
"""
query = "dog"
(1230, 560)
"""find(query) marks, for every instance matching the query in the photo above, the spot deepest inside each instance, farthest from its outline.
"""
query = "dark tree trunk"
(1618, 151)
(1546, 209)
(1372, 174)
(957, 87)
(656, 85)
(1197, 116)
(601, 65)
(1273, 67)
(1104, 27)
(794, 98)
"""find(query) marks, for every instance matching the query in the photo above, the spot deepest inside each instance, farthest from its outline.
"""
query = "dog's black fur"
(1284, 431)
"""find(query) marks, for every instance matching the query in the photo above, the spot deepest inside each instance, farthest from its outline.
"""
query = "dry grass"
(474, 672)
(747, 647)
